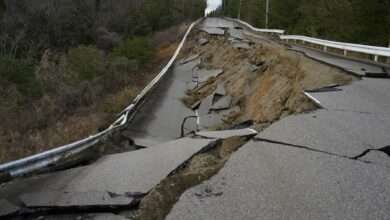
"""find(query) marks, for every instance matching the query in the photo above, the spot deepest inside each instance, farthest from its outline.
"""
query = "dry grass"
(71, 113)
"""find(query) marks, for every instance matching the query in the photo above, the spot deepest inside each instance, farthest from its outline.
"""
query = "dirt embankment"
(267, 81)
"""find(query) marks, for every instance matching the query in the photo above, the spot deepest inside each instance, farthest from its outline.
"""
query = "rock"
(253, 68)
(244, 46)
(203, 41)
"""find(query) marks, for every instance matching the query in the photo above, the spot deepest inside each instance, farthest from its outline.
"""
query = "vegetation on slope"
(67, 66)
(358, 21)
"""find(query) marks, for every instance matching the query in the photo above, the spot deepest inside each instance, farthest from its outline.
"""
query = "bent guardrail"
(268, 31)
(378, 55)
(48, 158)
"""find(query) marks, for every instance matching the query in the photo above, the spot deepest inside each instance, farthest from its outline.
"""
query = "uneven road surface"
(331, 163)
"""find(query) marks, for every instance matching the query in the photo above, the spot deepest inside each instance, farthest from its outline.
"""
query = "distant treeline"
(359, 21)
(81, 31)
(29, 26)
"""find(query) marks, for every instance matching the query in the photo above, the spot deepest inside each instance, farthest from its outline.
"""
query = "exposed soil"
(157, 204)
(272, 91)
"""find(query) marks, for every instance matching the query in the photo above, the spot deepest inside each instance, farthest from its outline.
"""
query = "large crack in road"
(302, 165)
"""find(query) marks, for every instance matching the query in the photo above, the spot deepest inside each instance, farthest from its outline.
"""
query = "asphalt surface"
(161, 116)
(271, 181)
(135, 172)
(218, 23)
(339, 132)
(369, 95)
(329, 164)
(351, 66)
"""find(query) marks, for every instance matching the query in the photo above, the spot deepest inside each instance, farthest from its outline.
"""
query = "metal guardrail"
(379, 55)
(48, 158)
(269, 31)
(326, 45)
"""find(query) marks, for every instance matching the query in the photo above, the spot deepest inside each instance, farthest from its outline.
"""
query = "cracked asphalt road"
(161, 116)
(329, 164)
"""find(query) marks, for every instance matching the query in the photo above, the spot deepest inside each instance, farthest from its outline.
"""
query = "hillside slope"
(68, 67)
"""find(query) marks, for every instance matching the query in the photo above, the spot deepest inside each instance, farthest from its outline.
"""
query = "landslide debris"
(266, 81)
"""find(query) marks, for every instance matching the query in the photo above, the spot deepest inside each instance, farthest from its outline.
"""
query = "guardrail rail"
(49, 158)
(373, 54)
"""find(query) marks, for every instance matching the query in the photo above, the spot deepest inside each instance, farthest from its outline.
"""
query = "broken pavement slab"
(210, 121)
(216, 119)
(236, 34)
(241, 45)
(189, 59)
(349, 65)
(377, 157)
(220, 90)
(218, 23)
(223, 103)
(7, 208)
(136, 172)
(224, 134)
(271, 181)
(213, 31)
(205, 105)
(63, 200)
(338, 132)
(203, 41)
(367, 96)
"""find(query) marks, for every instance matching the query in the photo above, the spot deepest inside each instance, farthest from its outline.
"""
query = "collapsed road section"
(241, 128)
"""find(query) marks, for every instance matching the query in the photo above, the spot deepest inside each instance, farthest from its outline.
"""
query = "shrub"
(21, 73)
(137, 48)
(86, 62)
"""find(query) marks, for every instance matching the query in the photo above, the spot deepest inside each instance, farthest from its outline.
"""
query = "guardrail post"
(345, 52)
(325, 49)
(376, 58)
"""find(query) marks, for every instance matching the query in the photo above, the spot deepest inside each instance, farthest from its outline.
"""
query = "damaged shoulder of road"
(237, 124)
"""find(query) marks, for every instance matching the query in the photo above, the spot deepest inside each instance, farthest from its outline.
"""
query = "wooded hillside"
(67, 67)
(358, 21)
